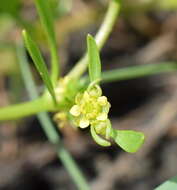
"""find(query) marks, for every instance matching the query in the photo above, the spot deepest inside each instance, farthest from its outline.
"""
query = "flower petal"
(102, 116)
(84, 123)
(75, 110)
(102, 100)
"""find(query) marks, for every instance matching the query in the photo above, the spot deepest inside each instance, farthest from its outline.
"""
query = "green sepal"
(98, 139)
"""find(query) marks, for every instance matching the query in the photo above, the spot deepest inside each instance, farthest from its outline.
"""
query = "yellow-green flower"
(91, 108)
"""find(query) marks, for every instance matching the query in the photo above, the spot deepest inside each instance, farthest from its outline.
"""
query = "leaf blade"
(128, 140)
(168, 184)
(38, 62)
(44, 12)
(94, 59)
(47, 20)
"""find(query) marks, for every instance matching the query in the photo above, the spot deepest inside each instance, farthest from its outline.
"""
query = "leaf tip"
(90, 38)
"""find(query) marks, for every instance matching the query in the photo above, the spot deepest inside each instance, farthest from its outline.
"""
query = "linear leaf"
(94, 59)
(47, 20)
(45, 14)
(39, 62)
(128, 140)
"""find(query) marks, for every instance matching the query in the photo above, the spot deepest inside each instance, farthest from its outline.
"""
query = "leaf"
(94, 59)
(39, 62)
(47, 20)
(98, 139)
(45, 14)
(170, 184)
(128, 140)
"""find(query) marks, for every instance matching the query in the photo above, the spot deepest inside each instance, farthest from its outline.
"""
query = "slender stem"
(24, 109)
(108, 23)
(50, 129)
(101, 36)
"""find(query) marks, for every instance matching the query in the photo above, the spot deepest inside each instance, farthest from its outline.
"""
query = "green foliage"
(92, 109)
(47, 21)
(93, 59)
(39, 62)
(128, 140)
(170, 184)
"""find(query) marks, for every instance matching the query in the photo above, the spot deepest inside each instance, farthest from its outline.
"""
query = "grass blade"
(47, 20)
(39, 62)
(94, 59)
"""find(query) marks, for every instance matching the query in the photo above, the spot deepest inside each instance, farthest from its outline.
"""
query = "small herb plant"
(75, 98)
(91, 109)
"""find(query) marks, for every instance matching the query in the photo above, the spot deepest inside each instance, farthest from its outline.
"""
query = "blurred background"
(146, 32)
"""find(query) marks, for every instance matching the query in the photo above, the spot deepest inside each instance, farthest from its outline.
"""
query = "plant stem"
(24, 109)
(101, 37)
(50, 129)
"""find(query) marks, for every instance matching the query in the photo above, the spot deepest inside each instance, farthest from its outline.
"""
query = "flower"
(91, 108)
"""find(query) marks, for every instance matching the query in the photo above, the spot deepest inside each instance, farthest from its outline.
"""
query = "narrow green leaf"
(47, 20)
(94, 59)
(170, 184)
(39, 62)
(128, 140)
(98, 139)
(45, 14)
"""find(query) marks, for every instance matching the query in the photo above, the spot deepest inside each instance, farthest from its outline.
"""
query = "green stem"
(24, 109)
(101, 37)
